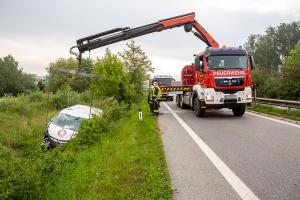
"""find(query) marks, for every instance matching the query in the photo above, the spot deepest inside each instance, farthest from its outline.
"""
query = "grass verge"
(126, 163)
(114, 157)
(285, 113)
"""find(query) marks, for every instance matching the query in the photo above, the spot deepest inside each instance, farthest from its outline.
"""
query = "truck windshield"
(164, 81)
(67, 121)
(227, 62)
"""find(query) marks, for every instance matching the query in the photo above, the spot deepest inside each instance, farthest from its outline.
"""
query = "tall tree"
(137, 64)
(271, 48)
(287, 35)
(58, 79)
(82, 83)
(28, 82)
(290, 75)
(114, 81)
(10, 76)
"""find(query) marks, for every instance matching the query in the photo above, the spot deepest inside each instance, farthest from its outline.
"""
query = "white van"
(64, 126)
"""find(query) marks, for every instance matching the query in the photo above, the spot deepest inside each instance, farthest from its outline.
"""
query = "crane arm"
(119, 34)
(204, 35)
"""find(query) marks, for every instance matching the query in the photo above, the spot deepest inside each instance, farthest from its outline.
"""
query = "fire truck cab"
(165, 81)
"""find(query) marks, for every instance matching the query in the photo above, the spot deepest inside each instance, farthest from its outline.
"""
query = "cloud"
(168, 66)
(281, 7)
(33, 54)
(38, 32)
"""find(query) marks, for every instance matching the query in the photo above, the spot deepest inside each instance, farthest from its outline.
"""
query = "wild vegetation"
(293, 114)
(22, 122)
(113, 157)
(277, 57)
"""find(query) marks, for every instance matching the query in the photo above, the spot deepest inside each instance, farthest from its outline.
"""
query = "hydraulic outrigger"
(118, 34)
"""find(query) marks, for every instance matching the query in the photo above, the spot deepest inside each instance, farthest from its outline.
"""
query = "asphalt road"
(263, 154)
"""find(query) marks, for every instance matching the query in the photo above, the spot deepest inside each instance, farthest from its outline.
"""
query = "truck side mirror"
(202, 67)
(197, 63)
(251, 59)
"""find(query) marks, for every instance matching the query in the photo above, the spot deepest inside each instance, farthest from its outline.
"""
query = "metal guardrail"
(277, 102)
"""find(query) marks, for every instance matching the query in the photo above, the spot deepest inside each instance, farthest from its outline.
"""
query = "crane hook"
(78, 55)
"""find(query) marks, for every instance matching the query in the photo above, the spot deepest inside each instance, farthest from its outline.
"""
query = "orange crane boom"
(119, 34)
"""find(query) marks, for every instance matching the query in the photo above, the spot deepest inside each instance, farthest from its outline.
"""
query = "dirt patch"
(10, 143)
(162, 128)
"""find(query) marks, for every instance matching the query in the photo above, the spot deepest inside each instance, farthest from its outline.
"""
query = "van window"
(67, 121)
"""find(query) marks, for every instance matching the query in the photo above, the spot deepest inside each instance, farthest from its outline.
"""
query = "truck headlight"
(249, 96)
(209, 97)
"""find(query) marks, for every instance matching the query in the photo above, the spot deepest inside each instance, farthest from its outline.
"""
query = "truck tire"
(200, 112)
(239, 110)
(182, 105)
(192, 103)
(178, 98)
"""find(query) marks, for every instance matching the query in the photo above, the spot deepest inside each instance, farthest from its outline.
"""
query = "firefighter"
(151, 89)
(153, 98)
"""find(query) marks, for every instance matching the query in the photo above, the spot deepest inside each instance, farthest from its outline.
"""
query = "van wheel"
(200, 112)
(239, 110)
(46, 145)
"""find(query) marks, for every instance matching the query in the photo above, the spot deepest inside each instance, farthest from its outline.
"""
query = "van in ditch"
(65, 126)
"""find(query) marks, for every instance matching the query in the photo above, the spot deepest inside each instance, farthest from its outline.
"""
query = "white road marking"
(237, 184)
(276, 120)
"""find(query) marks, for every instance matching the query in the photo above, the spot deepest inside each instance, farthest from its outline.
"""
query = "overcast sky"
(39, 32)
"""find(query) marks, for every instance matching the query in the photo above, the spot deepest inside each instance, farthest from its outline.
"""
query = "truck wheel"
(178, 98)
(192, 104)
(182, 105)
(239, 110)
(200, 112)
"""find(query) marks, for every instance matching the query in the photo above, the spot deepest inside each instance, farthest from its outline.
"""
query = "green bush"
(6, 103)
(86, 96)
(64, 98)
(17, 105)
(114, 113)
(37, 96)
(22, 108)
(90, 132)
(19, 178)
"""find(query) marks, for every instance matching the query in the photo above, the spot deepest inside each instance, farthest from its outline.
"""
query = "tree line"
(12, 78)
(277, 56)
(276, 53)
(120, 76)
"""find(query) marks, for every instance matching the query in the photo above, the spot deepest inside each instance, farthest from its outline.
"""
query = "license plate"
(230, 96)
(176, 92)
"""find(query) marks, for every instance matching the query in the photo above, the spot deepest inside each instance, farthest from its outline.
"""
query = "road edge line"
(237, 184)
(273, 119)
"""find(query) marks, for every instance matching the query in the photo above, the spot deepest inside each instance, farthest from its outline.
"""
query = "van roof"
(81, 111)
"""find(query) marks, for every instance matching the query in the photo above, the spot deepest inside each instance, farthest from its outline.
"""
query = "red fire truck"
(219, 77)
(163, 82)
